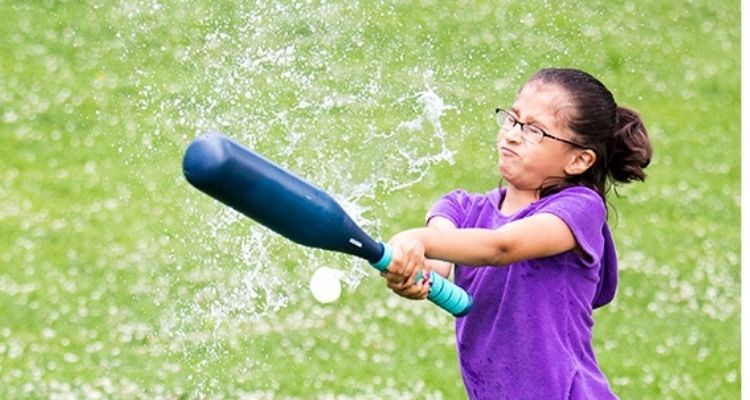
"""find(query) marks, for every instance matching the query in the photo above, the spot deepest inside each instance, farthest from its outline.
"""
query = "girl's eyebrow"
(533, 120)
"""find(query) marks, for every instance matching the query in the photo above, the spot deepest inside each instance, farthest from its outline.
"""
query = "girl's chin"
(505, 172)
(513, 179)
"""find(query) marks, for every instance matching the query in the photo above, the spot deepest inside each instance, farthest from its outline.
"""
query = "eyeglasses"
(530, 133)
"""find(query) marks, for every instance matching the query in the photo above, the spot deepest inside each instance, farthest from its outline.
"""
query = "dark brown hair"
(616, 134)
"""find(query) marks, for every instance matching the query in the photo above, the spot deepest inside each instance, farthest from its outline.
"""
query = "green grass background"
(117, 280)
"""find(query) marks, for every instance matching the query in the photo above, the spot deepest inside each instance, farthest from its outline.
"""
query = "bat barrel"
(274, 197)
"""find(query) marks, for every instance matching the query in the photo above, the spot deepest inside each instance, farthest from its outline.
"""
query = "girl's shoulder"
(468, 209)
(574, 202)
(573, 196)
(576, 205)
(471, 199)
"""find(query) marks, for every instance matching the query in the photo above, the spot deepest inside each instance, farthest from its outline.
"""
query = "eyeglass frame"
(515, 121)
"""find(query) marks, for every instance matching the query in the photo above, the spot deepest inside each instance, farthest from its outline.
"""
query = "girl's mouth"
(507, 152)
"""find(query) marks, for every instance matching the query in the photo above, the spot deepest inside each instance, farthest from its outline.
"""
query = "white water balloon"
(325, 284)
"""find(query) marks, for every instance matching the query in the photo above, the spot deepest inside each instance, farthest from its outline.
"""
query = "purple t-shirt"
(529, 334)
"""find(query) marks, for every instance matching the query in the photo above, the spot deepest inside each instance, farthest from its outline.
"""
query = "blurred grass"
(105, 269)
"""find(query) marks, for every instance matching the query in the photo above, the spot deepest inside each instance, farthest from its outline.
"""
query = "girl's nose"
(513, 134)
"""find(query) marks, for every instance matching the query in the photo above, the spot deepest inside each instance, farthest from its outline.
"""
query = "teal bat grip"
(444, 293)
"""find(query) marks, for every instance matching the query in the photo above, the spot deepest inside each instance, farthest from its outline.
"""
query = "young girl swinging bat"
(536, 254)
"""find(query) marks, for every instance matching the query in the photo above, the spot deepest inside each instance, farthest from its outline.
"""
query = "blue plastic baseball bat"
(294, 208)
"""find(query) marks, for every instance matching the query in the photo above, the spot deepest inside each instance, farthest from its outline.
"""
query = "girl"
(536, 254)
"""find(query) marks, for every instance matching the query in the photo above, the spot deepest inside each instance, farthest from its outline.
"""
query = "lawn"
(118, 280)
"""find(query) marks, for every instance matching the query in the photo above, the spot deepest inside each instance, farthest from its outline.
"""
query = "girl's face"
(523, 163)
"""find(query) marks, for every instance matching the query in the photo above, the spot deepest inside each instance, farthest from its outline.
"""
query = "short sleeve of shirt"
(453, 206)
(584, 212)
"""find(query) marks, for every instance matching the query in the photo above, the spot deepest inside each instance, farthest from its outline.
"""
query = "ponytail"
(630, 151)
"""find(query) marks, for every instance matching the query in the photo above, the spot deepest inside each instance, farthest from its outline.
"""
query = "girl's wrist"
(424, 235)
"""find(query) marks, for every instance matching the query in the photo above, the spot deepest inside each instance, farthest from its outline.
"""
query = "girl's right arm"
(537, 236)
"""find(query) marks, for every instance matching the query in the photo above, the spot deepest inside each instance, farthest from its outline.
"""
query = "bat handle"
(444, 293)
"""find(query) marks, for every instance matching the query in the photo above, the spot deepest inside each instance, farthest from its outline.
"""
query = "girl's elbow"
(499, 256)
(502, 249)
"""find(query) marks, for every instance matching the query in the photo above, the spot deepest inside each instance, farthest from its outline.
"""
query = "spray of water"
(257, 281)
(297, 84)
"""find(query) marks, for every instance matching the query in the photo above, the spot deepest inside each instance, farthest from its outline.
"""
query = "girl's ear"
(581, 161)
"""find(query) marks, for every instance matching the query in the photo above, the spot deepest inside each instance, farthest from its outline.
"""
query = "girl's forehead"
(541, 102)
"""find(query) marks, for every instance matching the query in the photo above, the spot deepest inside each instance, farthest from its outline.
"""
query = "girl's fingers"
(412, 292)
(398, 265)
(393, 278)
(426, 274)
(418, 290)
(401, 275)
(413, 277)
(399, 286)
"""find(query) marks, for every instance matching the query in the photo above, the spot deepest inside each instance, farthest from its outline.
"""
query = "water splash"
(255, 284)
(434, 108)
(297, 84)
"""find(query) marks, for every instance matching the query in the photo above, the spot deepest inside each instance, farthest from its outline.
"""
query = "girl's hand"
(407, 261)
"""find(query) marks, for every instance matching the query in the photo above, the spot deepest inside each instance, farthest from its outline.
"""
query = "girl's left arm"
(540, 235)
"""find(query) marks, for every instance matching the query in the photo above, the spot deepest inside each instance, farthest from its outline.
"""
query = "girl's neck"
(517, 199)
